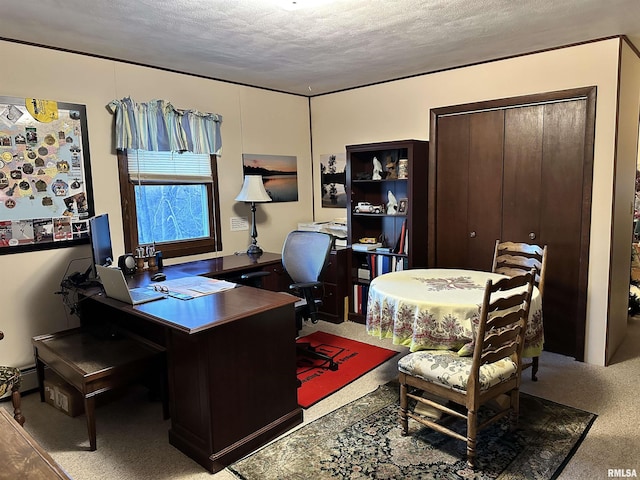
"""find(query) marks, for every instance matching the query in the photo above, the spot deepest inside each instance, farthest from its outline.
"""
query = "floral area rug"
(364, 440)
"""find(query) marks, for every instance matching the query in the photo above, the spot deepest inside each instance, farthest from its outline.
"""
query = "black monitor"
(102, 253)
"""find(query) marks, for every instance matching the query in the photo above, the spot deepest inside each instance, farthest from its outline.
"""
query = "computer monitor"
(100, 235)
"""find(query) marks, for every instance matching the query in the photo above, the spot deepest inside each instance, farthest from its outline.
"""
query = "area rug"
(363, 440)
(354, 359)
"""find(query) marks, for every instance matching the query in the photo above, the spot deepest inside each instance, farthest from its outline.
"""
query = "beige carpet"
(133, 442)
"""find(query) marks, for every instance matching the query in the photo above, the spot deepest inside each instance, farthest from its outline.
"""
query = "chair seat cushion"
(9, 377)
(446, 368)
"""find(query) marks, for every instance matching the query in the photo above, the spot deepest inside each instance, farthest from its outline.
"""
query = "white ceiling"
(332, 46)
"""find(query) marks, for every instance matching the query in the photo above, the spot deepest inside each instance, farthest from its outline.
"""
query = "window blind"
(168, 167)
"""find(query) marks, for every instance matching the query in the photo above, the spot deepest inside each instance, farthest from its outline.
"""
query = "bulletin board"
(46, 197)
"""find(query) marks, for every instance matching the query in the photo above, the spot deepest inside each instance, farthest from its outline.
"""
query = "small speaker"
(127, 263)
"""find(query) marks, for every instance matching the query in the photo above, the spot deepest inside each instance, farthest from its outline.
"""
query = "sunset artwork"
(279, 174)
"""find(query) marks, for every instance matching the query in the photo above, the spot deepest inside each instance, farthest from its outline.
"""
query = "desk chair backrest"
(305, 255)
(512, 259)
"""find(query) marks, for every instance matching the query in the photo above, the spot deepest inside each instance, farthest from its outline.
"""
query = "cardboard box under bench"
(61, 395)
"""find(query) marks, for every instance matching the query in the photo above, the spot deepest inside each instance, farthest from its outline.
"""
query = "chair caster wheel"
(333, 367)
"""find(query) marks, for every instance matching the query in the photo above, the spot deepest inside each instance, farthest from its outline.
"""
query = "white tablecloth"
(432, 309)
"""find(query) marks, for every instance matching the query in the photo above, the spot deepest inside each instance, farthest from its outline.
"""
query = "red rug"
(354, 359)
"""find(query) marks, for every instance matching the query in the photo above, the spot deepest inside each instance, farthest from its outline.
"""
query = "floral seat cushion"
(449, 369)
(9, 377)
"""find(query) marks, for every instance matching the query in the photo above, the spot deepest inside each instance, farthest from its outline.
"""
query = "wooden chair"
(10, 378)
(470, 382)
(515, 258)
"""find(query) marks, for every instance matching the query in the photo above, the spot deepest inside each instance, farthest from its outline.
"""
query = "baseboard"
(29, 379)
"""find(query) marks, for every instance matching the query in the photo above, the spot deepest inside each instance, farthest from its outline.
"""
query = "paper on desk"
(194, 286)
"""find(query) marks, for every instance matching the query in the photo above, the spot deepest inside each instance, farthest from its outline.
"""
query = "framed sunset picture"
(279, 174)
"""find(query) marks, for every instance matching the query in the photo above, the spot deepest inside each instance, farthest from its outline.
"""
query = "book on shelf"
(401, 243)
(365, 247)
(378, 264)
(360, 297)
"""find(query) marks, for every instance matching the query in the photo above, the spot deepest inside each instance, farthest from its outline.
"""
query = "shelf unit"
(385, 227)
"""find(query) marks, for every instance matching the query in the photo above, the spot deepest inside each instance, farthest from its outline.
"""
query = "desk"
(231, 360)
(432, 309)
(21, 456)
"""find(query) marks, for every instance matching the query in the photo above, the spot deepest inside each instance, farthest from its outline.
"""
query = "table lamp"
(253, 191)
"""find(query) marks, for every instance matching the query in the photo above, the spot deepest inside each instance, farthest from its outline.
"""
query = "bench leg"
(89, 411)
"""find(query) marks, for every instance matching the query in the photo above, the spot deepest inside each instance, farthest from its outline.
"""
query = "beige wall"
(626, 156)
(259, 121)
(254, 121)
(400, 110)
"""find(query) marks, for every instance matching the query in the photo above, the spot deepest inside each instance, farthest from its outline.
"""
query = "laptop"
(115, 286)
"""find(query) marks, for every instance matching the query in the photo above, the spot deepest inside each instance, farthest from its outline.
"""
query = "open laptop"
(115, 286)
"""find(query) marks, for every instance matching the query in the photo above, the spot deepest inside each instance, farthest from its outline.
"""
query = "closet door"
(486, 133)
(523, 133)
(469, 189)
(527, 167)
(561, 224)
(452, 191)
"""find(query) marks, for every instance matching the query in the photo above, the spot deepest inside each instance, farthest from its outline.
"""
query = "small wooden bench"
(95, 363)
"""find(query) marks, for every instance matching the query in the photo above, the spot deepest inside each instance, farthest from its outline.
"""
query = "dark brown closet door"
(561, 221)
(486, 187)
(522, 174)
(469, 189)
(527, 166)
(452, 188)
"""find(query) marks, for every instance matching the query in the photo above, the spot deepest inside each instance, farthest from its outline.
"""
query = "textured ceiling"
(332, 46)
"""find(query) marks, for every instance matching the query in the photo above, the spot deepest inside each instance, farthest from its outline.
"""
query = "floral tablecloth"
(432, 309)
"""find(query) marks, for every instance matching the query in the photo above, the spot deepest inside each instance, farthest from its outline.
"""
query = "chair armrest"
(250, 275)
(296, 286)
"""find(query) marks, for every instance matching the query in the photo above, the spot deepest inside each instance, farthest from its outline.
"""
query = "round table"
(432, 309)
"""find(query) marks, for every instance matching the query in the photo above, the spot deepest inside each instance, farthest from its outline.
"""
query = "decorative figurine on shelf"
(391, 169)
(377, 169)
(392, 205)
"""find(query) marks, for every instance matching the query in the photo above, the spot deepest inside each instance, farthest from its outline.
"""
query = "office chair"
(304, 258)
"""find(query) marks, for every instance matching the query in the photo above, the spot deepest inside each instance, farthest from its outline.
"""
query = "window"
(170, 199)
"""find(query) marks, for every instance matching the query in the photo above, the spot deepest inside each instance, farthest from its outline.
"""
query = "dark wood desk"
(231, 359)
(21, 456)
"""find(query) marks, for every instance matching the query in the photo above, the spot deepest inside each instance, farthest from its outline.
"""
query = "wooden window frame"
(169, 249)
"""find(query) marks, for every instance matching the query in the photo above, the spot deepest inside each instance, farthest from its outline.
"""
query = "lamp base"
(254, 250)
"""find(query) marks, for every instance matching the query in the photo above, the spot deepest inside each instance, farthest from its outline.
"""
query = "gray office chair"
(304, 257)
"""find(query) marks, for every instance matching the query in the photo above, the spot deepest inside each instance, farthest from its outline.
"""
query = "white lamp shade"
(253, 190)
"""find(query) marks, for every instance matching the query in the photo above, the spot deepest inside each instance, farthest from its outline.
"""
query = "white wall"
(254, 121)
(400, 110)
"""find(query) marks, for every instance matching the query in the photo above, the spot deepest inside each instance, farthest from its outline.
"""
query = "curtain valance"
(160, 127)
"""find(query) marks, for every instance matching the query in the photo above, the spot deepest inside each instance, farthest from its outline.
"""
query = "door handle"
(532, 236)
(472, 234)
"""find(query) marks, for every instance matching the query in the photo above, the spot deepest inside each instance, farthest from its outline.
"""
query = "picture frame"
(403, 206)
(46, 194)
(279, 174)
